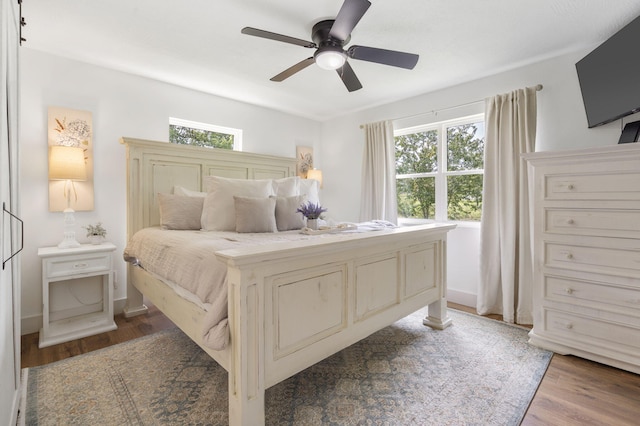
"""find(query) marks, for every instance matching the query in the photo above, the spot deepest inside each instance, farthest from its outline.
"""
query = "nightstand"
(77, 264)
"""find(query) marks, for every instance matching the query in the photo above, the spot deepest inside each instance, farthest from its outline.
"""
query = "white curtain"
(506, 266)
(379, 174)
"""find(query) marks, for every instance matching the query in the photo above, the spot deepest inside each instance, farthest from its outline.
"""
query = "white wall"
(562, 124)
(122, 105)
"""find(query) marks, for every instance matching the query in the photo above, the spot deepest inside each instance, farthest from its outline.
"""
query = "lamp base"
(69, 240)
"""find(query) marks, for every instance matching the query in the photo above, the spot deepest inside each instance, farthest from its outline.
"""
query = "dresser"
(586, 215)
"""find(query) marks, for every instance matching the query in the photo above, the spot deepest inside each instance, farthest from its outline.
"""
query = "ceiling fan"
(329, 39)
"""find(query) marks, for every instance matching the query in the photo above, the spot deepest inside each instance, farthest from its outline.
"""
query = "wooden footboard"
(292, 307)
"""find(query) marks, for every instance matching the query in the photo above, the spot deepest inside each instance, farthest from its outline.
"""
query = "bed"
(293, 303)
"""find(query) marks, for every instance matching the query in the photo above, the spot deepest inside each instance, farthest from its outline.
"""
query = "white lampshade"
(66, 163)
(330, 59)
(315, 174)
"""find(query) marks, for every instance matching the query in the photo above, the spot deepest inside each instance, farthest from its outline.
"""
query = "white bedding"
(186, 259)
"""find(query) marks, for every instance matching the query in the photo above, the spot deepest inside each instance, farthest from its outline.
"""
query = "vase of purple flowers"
(311, 211)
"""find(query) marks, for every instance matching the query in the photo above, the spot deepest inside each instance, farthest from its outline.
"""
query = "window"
(202, 134)
(439, 170)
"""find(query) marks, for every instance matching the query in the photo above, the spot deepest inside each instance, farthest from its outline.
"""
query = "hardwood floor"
(128, 329)
(573, 391)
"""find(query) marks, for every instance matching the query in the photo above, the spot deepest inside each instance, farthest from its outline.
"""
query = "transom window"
(439, 170)
(202, 134)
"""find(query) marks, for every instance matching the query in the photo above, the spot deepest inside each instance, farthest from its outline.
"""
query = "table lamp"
(68, 164)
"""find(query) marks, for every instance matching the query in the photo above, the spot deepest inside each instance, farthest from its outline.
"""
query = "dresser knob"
(568, 326)
(568, 290)
(571, 221)
(569, 256)
(570, 187)
(80, 265)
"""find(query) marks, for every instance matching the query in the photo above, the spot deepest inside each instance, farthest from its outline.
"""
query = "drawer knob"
(570, 187)
(569, 256)
(80, 265)
(568, 326)
(571, 221)
(568, 290)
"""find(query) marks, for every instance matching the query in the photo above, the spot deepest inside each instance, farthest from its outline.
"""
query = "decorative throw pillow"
(255, 214)
(310, 188)
(180, 190)
(180, 212)
(286, 216)
(218, 212)
(287, 187)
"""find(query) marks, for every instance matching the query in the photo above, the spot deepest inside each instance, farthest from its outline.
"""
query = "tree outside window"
(204, 135)
(439, 170)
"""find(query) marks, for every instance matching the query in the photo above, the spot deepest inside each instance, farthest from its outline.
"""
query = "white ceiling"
(198, 44)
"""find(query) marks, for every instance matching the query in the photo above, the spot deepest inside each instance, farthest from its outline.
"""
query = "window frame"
(442, 173)
(236, 133)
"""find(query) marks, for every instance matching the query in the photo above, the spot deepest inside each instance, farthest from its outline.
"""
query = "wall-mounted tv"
(610, 77)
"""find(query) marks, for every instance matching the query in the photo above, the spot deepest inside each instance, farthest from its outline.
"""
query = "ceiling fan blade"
(294, 69)
(348, 17)
(277, 37)
(383, 56)
(349, 77)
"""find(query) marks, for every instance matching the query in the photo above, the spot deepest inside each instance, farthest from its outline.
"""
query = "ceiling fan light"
(330, 59)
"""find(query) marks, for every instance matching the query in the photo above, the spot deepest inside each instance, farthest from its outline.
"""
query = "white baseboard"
(33, 323)
(30, 324)
(462, 298)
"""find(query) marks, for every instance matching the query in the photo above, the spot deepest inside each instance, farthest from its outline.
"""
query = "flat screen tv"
(610, 77)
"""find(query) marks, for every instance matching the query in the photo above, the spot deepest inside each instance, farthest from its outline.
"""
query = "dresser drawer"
(599, 223)
(591, 331)
(593, 186)
(594, 294)
(63, 266)
(610, 261)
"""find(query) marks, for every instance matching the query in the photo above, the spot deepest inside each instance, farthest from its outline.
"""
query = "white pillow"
(286, 216)
(255, 214)
(180, 190)
(208, 182)
(310, 188)
(287, 187)
(180, 212)
(218, 212)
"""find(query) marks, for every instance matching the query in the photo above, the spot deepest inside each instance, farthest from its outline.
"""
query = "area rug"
(476, 372)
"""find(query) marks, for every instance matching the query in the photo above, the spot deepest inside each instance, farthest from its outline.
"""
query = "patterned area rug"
(476, 372)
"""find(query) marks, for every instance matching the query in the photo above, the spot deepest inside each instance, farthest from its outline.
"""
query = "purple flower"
(311, 210)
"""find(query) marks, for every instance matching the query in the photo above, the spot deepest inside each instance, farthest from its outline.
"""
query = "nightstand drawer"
(69, 266)
(597, 223)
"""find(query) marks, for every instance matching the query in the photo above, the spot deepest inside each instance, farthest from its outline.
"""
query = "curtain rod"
(538, 88)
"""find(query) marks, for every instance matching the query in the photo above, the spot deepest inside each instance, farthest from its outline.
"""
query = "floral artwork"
(304, 154)
(75, 133)
(73, 128)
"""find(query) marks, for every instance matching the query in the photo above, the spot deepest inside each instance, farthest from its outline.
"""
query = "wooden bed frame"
(292, 305)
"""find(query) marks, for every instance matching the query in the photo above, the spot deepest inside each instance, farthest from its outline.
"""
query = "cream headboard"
(154, 167)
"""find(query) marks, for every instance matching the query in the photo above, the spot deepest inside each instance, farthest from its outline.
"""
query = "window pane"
(464, 197)
(196, 137)
(416, 198)
(465, 147)
(417, 152)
